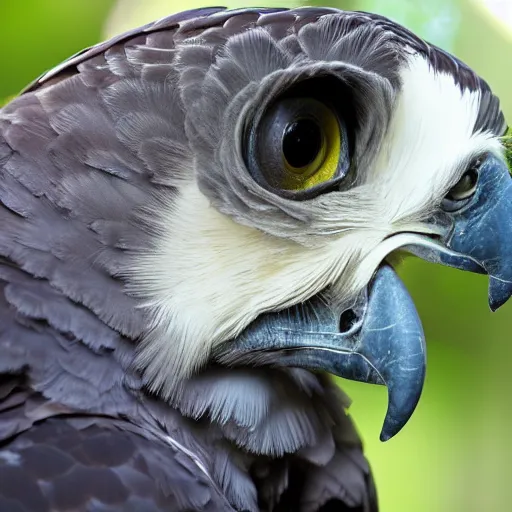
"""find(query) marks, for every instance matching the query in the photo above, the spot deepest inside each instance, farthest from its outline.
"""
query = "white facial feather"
(208, 277)
(429, 143)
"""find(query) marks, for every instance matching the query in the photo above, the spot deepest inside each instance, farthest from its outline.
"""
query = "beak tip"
(398, 417)
(385, 436)
(494, 306)
(403, 397)
(499, 293)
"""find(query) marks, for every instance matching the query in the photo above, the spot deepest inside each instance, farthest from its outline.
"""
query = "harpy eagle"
(197, 222)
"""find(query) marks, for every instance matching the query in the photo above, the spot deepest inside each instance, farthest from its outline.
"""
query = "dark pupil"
(302, 142)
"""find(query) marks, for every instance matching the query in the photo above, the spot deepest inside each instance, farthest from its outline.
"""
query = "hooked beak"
(378, 340)
(479, 237)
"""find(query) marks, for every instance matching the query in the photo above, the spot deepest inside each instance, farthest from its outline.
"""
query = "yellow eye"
(311, 150)
(299, 144)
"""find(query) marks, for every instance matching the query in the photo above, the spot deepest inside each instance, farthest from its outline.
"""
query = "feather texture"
(132, 241)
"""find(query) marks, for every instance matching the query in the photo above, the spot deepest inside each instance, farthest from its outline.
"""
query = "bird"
(198, 226)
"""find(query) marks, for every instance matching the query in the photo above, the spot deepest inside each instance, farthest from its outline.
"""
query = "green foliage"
(38, 34)
(436, 20)
(507, 144)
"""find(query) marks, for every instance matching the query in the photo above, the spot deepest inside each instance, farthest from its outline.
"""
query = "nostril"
(347, 320)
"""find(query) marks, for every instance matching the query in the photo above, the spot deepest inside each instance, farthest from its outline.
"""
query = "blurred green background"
(456, 452)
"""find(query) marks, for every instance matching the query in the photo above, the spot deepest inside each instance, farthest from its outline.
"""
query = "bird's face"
(315, 148)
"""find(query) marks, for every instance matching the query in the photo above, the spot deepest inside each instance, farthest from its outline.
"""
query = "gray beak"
(378, 340)
(479, 235)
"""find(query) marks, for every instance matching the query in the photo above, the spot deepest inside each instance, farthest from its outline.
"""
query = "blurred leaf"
(436, 20)
(38, 34)
(487, 48)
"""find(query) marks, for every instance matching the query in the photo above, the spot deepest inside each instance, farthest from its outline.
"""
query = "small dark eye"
(459, 195)
(302, 141)
(465, 187)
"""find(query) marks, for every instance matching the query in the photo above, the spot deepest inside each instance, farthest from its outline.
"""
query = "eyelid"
(452, 204)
